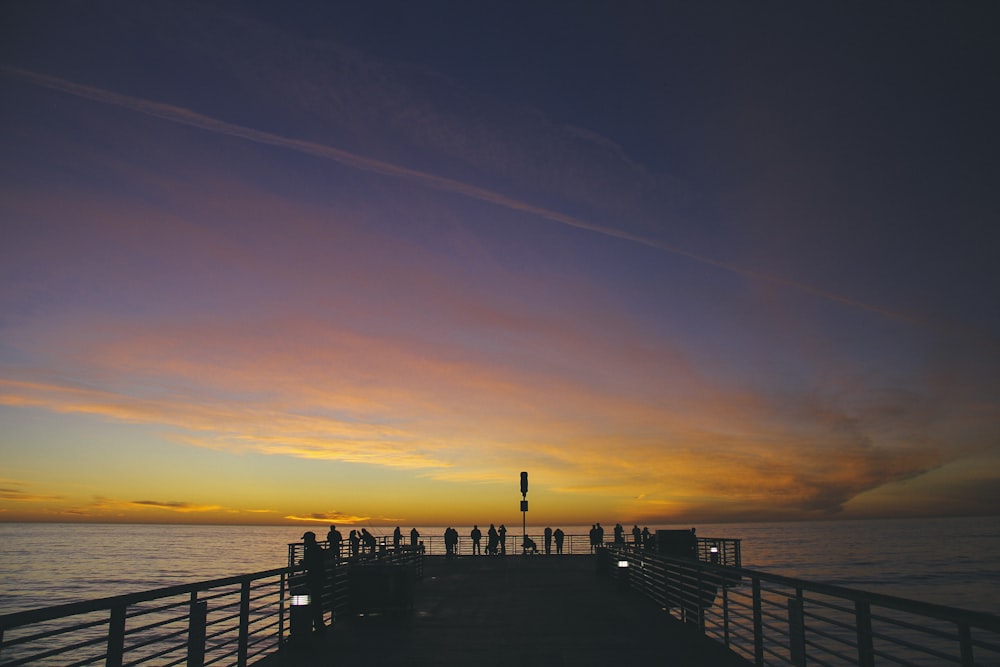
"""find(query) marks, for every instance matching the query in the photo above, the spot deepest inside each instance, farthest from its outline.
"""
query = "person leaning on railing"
(315, 578)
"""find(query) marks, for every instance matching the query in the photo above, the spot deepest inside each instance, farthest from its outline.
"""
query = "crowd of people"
(362, 543)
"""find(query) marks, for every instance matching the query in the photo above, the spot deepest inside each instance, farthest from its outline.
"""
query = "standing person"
(548, 541)
(355, 543)
(333, 542)
(636, 535)
(593, 537)
(619, 534)
(312, 559)
(645, 537)
(397, 539)
(414, 536)
(600, 535)
(503, 539)
(559, 535)
(477, 536)
(492, 538)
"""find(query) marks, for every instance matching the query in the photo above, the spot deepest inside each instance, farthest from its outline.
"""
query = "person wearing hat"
(315, 578)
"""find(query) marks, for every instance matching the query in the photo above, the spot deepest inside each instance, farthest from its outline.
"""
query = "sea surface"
(954, 562)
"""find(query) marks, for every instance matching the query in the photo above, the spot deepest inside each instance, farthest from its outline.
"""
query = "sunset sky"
(365, 262)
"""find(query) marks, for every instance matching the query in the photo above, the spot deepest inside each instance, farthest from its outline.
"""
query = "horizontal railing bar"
(55, 651)
(829, 621)
(834, 638)
(55, 632)
(903, 661)
(145, 611)
(19, 618)
(899, 623)
(89, 661)
(156, 639)
(158, 654)
(926, 650)
(813, 660)
(837, 654)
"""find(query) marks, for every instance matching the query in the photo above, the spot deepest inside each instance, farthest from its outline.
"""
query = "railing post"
(281, 609)
(965, 639)
(197, 620)
(116, 637)
(244, 640)
(725, 610)
(758, 625)
(797, 630)
(863, 621)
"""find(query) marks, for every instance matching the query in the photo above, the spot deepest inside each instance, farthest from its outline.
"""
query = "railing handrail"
(26, 617)
(980, 619)
(693, 587)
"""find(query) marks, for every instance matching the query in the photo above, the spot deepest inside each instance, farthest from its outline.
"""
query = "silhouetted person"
(503, 539)
(312, 559)
(529, 546)
(397, 539)
(334, 540)
(593, 538)
(449, 546)
(414, 536)
(559, 536)
(619, 534)
(355, 542)
(368, 541)
(492, 539)
(477, 536)
(645, 537)
(600, 535)
(636, 535)
(548, 541)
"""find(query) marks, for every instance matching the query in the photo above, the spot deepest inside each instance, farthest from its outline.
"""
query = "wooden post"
(116, 637)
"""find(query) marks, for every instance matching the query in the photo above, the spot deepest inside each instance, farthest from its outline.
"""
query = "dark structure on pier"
(523, 611)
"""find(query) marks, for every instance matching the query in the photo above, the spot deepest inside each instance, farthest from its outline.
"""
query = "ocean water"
(954, 562)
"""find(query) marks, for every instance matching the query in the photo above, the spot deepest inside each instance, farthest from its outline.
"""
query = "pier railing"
(231, 621)
(722, 551)
(775, 620)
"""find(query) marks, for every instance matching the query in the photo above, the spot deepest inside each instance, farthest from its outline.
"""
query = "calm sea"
(954, 562)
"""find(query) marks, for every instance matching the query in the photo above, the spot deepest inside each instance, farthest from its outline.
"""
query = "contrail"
(184, 116)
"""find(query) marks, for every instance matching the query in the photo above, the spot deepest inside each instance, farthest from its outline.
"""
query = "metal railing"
(723, 551)
(773, 620)
(222, 621)
(231, 621)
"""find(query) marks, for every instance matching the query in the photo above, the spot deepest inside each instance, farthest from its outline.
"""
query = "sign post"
(524, 510)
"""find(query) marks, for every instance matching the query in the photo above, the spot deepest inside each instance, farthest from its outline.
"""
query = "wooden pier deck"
(520, 611)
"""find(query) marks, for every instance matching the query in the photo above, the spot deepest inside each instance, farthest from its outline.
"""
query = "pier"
(525, 611)
(613, 602)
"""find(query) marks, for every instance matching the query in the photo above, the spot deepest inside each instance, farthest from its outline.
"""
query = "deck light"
(714, 554)
(623, 563)
(301, 600)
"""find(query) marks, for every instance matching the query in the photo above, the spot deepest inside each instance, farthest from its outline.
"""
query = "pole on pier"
(524, 511)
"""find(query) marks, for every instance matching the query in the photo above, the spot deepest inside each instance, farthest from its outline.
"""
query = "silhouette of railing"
(229, 621)
(775, 620)
(723, 551)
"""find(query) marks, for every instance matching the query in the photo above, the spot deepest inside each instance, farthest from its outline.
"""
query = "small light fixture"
(623, 563)
(301, 600)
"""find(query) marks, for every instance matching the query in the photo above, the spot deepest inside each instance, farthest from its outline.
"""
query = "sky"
(363, 263)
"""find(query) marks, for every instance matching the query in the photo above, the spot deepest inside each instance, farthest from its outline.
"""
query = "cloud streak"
(183, 116)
